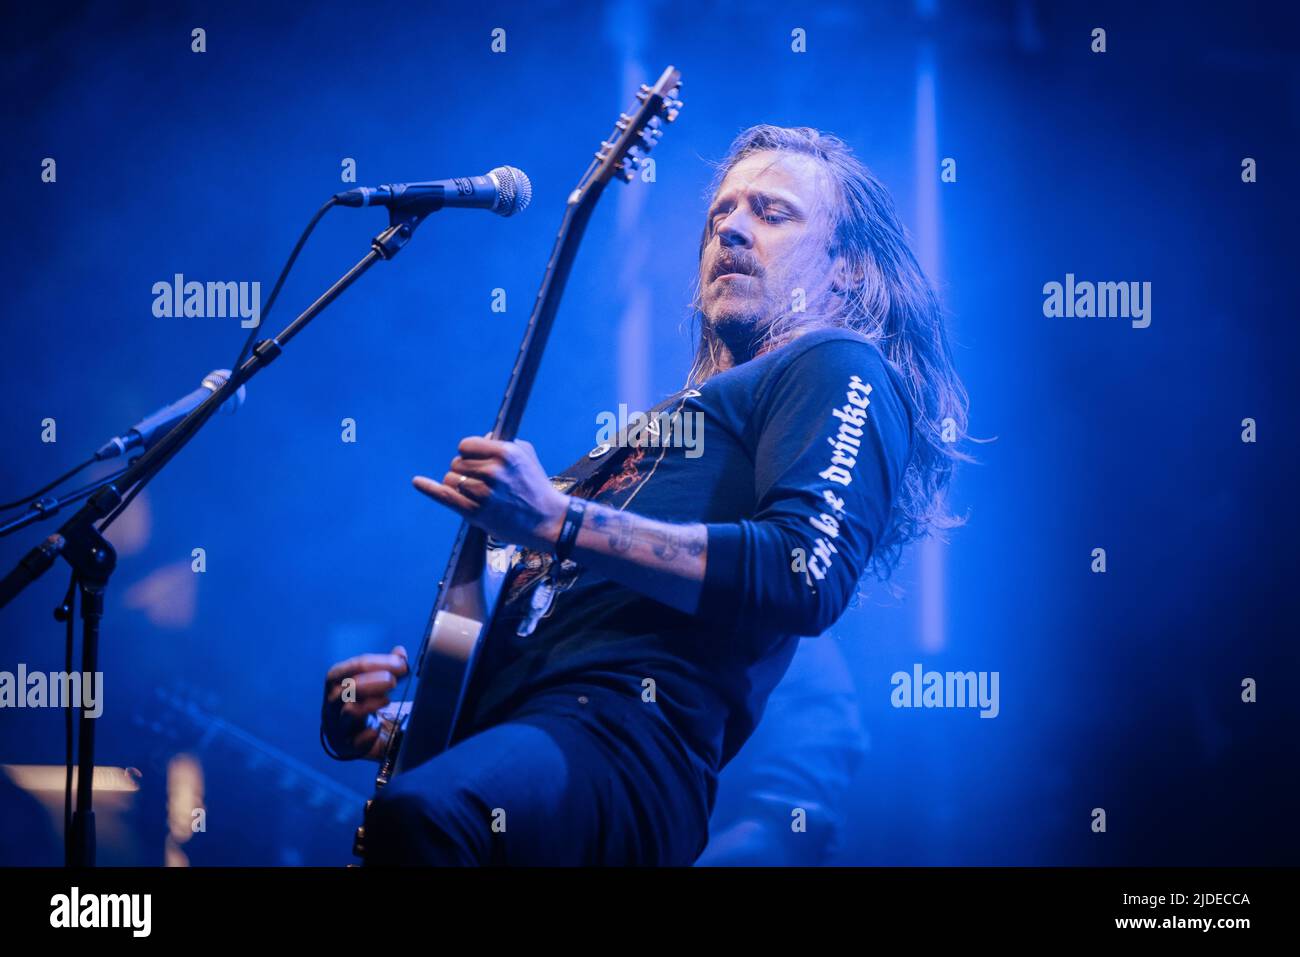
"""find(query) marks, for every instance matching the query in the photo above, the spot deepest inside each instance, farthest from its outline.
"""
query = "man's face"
(768, 235)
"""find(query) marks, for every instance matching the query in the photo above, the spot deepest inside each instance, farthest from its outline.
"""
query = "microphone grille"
(215, 379)
(514, 191)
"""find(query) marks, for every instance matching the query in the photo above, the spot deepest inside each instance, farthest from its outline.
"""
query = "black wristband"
(569, 530)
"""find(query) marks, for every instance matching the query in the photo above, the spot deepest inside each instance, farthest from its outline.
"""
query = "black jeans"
(579, 775)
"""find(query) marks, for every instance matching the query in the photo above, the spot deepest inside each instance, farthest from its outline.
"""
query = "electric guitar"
(470, 587)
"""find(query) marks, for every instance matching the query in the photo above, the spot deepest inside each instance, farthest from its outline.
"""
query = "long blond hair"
(891, 302)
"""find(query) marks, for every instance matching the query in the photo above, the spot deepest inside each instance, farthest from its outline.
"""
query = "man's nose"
(734, 231)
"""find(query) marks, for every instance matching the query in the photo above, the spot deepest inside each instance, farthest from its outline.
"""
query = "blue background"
(1119, 691)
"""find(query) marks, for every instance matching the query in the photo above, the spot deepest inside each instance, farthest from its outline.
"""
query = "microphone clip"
(402, 223)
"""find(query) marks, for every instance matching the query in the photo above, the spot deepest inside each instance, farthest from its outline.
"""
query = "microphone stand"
(93, 559)
(48, 506)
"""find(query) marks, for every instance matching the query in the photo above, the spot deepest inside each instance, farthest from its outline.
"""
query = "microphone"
(147, 431)
(505, 191)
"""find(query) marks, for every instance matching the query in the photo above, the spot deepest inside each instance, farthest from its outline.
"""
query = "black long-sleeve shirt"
(803, 451)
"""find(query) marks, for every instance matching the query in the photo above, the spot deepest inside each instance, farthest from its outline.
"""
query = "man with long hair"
(658, 596)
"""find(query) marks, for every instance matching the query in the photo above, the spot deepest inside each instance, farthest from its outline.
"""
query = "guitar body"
(470, 589)
(457, 628)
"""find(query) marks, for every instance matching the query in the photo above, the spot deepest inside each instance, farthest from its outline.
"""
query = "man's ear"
(844, 276)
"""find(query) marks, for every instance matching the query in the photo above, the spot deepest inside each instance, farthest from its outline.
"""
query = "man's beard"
(740, 330)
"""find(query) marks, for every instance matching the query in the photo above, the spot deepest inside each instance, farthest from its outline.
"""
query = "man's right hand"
(356, 716)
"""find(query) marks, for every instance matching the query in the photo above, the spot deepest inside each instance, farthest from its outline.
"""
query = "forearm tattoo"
(666, 542)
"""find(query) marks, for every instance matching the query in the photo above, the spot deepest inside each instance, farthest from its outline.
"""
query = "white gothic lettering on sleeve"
(845, 444)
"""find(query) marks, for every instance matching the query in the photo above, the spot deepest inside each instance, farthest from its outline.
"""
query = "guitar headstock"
(636, 133)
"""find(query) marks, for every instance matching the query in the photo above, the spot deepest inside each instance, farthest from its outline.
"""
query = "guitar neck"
(468, 592)
(528, 361)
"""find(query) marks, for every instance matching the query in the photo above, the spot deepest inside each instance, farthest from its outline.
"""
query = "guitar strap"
(534, 573)
(588, 473)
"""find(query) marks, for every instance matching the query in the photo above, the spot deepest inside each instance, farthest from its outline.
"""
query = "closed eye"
(770, 211)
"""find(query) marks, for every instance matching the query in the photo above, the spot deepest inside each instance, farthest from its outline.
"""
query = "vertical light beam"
(931, 566)
(626, 23)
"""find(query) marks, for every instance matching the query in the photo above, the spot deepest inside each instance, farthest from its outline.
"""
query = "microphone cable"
(243, 354)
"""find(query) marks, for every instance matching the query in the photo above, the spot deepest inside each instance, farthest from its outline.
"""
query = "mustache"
(735, 261)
